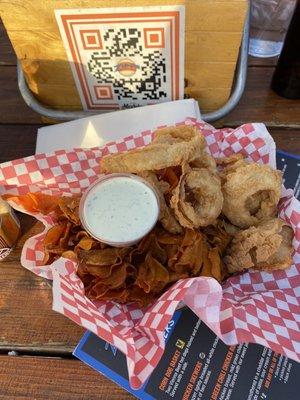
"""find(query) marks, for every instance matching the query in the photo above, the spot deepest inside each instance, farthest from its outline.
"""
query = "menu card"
(289, 164)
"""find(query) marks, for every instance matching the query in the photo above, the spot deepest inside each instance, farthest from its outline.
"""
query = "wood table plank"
(17, 140)
(286, 139)
(7, 54)
(260, 104)
(42, 378)
(262, 62)
(12, 106)
(28, 323)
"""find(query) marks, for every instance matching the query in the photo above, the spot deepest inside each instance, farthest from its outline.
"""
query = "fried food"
(171, 146)
(204, 160)
(216, 218)
(197, 200)
(166, 216)
(267, 246)
(56, 241)
(141, 272)
(35, 202)
(236, 159)
(176, 134)
(219, 235)
(251, 193)
(69, 206)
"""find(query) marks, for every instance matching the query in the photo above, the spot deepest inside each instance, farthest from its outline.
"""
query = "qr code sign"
(136, 74)
(123, 58)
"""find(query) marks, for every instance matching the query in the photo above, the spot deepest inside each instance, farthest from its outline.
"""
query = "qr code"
(138, 75)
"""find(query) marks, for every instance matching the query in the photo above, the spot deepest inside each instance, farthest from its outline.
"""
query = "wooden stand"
(213, 36)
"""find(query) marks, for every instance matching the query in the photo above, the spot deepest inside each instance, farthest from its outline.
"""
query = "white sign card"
(125, 57)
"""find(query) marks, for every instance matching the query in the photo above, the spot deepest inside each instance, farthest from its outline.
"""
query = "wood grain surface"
(22, 136)
(28, 323)
(13, 109)
(286, 139)
(262, 62)
(41, 378)
(7, 54)
(260, 104)
(213, 32)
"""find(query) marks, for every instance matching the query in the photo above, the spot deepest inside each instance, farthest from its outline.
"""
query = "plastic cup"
(119, 209)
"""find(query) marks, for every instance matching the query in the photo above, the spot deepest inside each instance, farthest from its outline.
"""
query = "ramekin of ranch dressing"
(119, 209)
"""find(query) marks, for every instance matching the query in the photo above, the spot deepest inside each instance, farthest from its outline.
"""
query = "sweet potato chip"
(167, 238)
(170, 175)
(166, 216)
(86, 243)
(216, 267)
(118, 295)
(70, 254)
(152, 275)
(108, 256)
(64, 240)
(52, 240)
(157, 251)
(117, 277)
(97, 271)
(70, 208)
(35, 202)
(97, 290)
(54, 234)
(143, 271)
(137, 295)
(112, 286)
(175, 276)
(189, 256)
(81, 234)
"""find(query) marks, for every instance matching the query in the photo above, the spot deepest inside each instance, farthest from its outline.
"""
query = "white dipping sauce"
(120, 209)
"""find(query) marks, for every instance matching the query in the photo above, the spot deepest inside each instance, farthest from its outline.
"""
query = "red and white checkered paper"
(257, 307)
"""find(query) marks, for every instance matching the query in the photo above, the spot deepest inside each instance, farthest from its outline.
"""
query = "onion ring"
(180, 144)
(176, 134)
(204, 160)
(197, 200)
(251, 193)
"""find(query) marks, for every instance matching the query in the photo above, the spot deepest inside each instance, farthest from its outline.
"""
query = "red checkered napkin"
(254, 307)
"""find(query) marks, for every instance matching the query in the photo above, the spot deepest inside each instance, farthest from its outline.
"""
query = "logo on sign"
(180, 343)
(126, 67)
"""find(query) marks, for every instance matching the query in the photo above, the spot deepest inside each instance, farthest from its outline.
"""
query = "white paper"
(98, 130)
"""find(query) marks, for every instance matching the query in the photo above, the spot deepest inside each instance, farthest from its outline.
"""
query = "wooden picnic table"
(36, 343)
